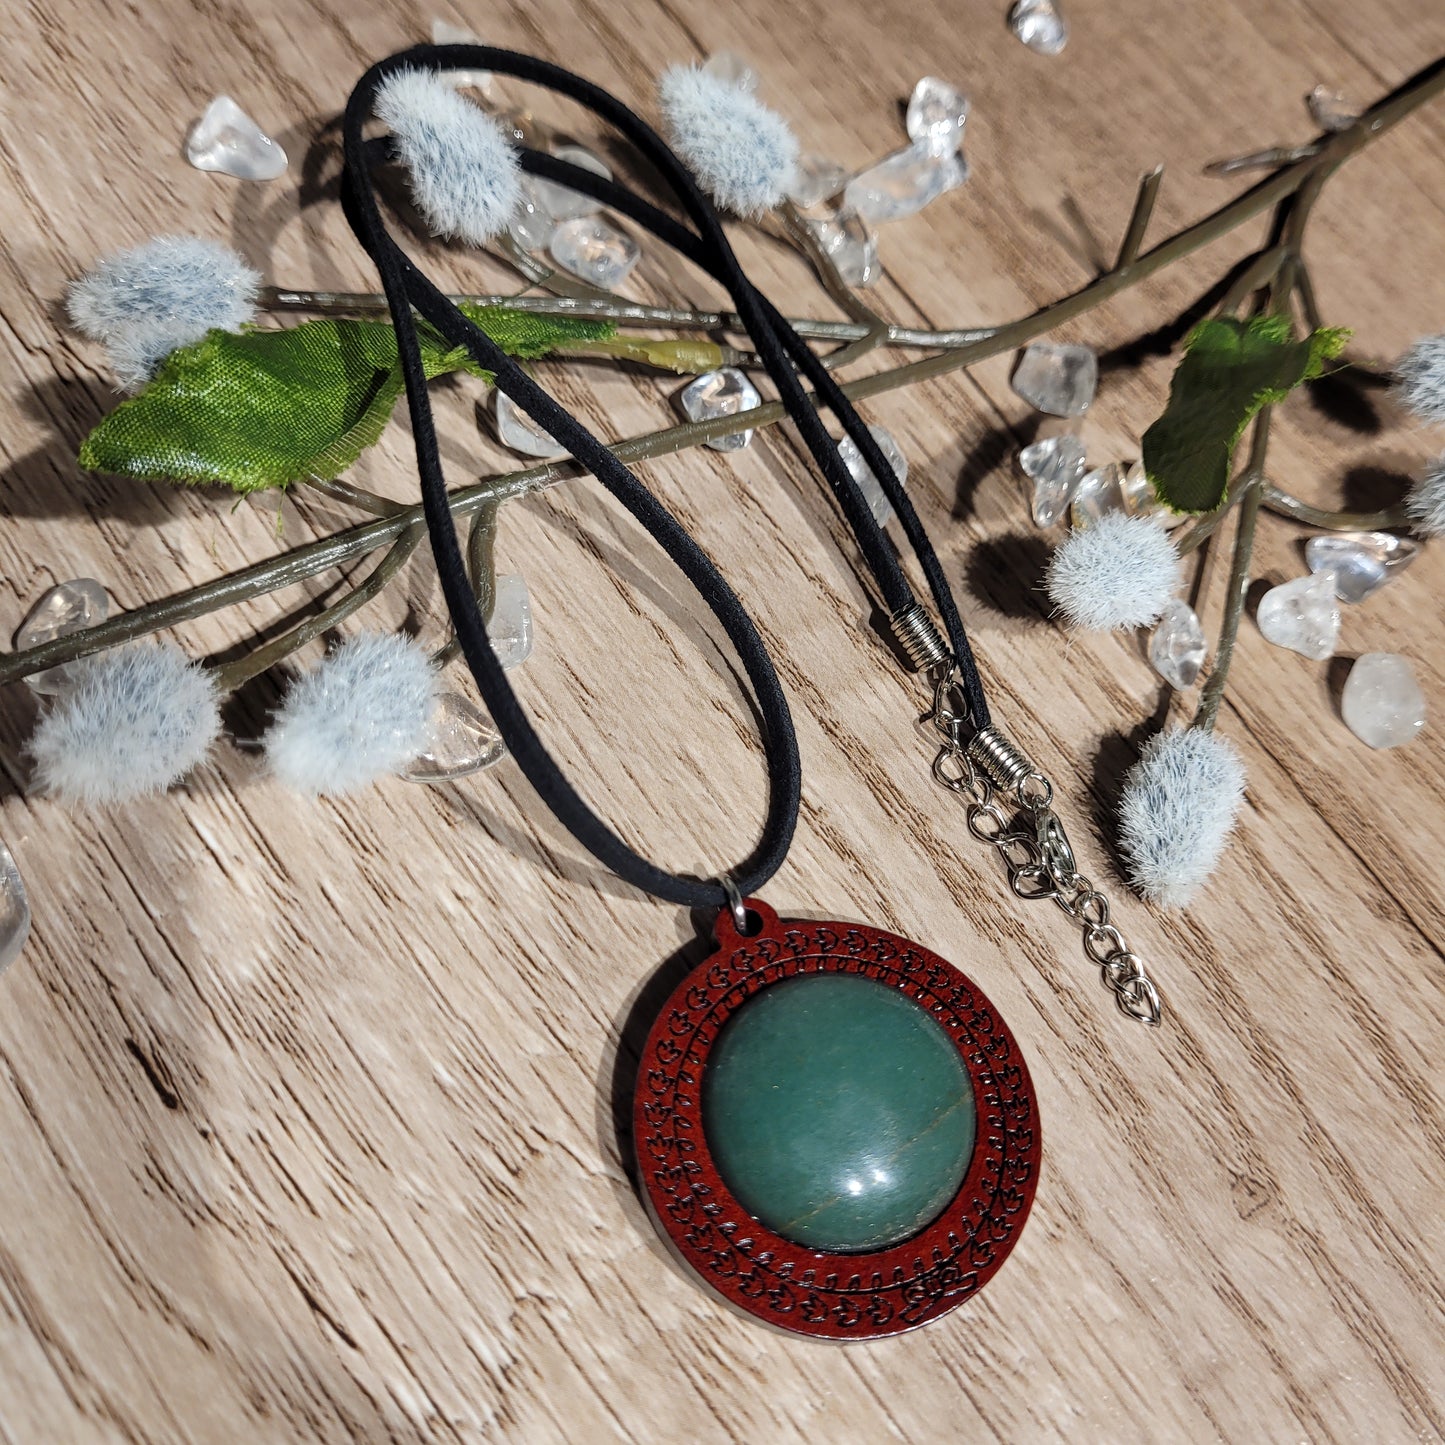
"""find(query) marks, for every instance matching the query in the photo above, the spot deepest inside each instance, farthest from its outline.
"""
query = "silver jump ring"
(735, 903)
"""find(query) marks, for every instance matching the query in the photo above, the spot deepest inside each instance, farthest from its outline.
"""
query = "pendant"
(834, 1127)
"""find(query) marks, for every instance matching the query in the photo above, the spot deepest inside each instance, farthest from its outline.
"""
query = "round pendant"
(835, 1128)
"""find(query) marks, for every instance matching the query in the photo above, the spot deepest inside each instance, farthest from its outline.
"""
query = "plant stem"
(1139, 220)
(482, 567)
(1284, 505)
(231, 675)
(357, 497)
(683, 358)
(1250, 494)
(1260, 272)
(624, 314)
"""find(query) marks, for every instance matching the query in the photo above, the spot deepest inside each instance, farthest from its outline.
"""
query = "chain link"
(1018, 821)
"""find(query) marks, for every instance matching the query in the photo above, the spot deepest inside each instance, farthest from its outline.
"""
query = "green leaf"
(255, 409)
(1230, 369)
(530, 335)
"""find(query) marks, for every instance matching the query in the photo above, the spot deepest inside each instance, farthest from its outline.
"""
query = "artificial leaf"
(255, 409)
(530, 335)
(1230, 369)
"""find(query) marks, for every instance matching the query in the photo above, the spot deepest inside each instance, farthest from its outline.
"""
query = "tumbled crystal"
(1056, 466)
(1040, 24)
(1361, 561)
(595, 251)
(443, 32)
(732, 70)
(1058, 379)
(460, 740)
(1382, 703)
(510, 625)
(815, 179)
(531, 226)
(515, 429)
(1140, 499)
(851, 245)
(1100, 493)
(724, 392)
(226, 139)
(862, 473)
(900, 185)
(14, 910)
(562, 203)
(68, 607)
(518, 127)
(1302, 615)
(1330, 110)
(936, 115)
(1178, 649)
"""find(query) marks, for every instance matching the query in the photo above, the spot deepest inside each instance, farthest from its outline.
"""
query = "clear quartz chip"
(531, 226)
(595, 251)
(460, 740)
(1178, 649)
(1055, 465)
(558, 201)
(815, 180)
(731, 69)
(226, 139)
(851, 245)
(1382, 703)
(724, 392)
(14, 910)
(1058, 379)
(1330, 110)
(1302, 615)
(443, 32)
(901, 184)
(1040, 24)
(936, 115)
(67, 607)
(862, 473)
(510, 625)
(516, 430)
(1361, 561)
(1140, 500)
(1100, 493)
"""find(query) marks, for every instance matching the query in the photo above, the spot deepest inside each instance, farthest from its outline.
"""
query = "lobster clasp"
(1056, 854)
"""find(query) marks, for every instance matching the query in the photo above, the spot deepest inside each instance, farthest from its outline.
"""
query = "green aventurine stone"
(838, 1112)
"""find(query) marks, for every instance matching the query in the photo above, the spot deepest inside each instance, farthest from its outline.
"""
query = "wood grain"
(307, 1110)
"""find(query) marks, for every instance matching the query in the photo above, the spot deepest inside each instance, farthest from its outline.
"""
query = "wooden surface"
(306, 1110)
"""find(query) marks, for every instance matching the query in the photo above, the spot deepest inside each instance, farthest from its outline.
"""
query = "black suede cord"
(781, 351)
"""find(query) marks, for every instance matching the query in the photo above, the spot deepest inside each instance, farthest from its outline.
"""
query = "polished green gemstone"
(838, 1112)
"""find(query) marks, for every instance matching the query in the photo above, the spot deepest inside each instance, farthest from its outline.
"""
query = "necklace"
(833, 1125)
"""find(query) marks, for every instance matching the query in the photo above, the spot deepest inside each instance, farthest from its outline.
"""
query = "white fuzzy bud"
(1425, 501)
(1119, 572)
(1179, 806)
(464, 173)
(359, 716)
(1420, 379)
(742, 153)
(145, 302)
(136, 720)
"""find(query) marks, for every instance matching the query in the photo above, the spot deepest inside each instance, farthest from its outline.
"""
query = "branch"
(1139, 221)
(1250, 495)
(1303, 178)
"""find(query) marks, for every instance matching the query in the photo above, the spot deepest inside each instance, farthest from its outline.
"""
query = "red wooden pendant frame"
(814, 1292)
